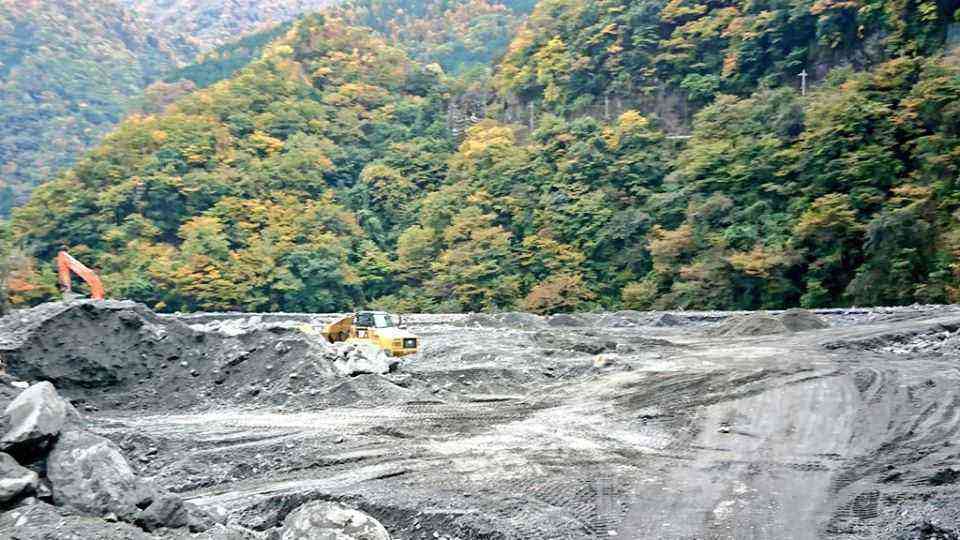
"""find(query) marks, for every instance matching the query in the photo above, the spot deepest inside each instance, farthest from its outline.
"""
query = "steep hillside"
(80, 67)
(67, 69)
(457, 34)
(329, 174)
(234, 186)
(573, 54)
(207, 24)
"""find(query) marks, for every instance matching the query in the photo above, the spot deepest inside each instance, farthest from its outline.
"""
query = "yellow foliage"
(632, 121)
(758, 262)
(265, 143)
(485, 137)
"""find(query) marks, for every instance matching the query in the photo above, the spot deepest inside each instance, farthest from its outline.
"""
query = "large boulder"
(166, 510)
(33, 420)
(88, 474)
(15, 481)
(320, 520)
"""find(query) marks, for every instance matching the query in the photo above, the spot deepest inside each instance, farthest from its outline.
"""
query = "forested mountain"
(329, 174)
(67, 69)
(70, 69)
(457, 34)
(207, 24)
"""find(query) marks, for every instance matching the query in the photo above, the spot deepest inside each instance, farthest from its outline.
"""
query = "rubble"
(42, 521)
(351, 359)
(504, 426)
(317, 520)
(15, 481)
(83, 475)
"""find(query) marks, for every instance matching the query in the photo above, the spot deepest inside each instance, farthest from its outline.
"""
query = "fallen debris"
(83, 475)
(317, 520)
(15, 481)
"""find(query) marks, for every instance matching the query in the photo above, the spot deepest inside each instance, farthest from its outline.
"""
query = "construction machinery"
(67, 265)
(378, 328)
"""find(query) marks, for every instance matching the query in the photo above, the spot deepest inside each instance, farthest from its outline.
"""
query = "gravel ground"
(627, 425)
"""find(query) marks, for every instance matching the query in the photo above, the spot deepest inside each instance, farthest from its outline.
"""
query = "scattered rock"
(166, 510)
(666, 320)
(356, 359)
(41, 521)
(327, 520)
(34, 419)
(575, 342)
(201, 519)
(521, 321)
(480, 320)
(15, 481)
(563, 320)
(89, 475)
(927, 531)
(616, 320)
(231, 532)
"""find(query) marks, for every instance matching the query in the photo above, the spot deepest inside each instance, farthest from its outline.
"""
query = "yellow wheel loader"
(377, 328)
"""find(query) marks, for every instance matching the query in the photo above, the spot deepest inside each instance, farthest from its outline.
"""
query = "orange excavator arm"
(67, 264)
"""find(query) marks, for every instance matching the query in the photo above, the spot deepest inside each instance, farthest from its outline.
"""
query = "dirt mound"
(801, 320)
(765, 324)
(363, 390)
(122, 355)
(758, 324)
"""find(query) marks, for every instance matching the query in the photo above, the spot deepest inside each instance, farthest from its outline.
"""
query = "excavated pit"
(843, 424)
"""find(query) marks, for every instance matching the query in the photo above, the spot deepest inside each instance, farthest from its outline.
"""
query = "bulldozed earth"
(843, 424)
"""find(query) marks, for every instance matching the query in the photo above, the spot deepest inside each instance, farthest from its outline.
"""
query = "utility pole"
(803, 82)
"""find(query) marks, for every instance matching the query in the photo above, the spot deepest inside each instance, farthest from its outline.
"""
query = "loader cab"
(375, 319)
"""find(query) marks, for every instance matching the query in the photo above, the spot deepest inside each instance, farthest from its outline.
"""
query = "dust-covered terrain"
(841, 424)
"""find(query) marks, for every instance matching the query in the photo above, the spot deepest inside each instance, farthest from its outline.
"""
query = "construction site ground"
(629, 425)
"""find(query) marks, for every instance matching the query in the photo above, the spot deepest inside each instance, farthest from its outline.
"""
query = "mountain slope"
(66, 70)
(227, 199)
(206, 24)
(457, 34)
(330, 175)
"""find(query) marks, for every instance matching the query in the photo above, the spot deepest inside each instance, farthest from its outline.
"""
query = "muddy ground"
(629, 425)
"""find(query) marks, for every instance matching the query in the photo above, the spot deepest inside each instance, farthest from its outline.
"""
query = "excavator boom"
(67, 264)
